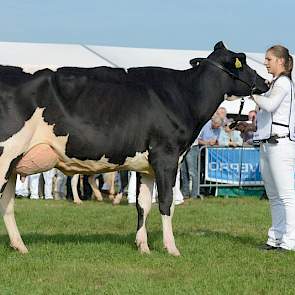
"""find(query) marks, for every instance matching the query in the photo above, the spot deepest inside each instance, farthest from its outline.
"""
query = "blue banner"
(233, 165)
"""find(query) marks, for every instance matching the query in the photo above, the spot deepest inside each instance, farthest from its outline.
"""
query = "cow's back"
(100, 74)
(13, 76)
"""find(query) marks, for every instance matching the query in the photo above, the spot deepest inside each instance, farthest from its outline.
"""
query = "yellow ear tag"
(238, 63)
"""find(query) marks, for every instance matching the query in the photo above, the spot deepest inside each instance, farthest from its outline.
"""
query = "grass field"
(90, 249)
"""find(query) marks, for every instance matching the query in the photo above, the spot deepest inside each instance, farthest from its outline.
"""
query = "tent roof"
(34, 56)
(138, 57)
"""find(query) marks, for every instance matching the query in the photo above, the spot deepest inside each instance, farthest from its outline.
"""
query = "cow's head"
(243, 77)
(238, 78)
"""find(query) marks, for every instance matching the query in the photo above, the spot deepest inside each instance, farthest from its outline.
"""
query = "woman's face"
(274, 65)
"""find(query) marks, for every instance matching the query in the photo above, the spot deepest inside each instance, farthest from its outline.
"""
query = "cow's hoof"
(78, 202)
(20, 248)
(143, 248)
(172, 251)
(117, 199)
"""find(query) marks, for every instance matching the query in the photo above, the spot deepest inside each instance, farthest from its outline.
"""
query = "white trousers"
(22, 188)
(178, 196)
(277, 163)
(34, 184)
(132, 188)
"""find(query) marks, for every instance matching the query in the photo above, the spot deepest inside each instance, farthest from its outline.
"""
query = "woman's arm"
(278, 92)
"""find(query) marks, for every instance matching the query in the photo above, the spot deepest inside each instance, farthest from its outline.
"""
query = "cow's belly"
(42, 158)
(137, 163)
(46, 150)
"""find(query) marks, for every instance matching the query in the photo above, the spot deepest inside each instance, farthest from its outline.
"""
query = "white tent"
(138, 57)
(35, 56)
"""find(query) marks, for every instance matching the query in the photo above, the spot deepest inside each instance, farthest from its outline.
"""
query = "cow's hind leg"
(7, 210)
(143, 205)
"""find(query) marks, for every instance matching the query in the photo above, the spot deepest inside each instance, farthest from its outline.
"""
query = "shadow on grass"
(129, 238)
(219, 235)
(36, 238)
(64, 239)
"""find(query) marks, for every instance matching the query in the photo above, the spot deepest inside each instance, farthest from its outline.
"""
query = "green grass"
(90, 249)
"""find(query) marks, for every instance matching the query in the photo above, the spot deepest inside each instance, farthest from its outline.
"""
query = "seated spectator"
(210, 132)
(247, 128)
(208, 136)
(222, 113)
(230, 137)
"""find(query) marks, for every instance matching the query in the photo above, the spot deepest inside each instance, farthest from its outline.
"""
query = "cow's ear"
(196, 61)
(219, 45)
(239, 60)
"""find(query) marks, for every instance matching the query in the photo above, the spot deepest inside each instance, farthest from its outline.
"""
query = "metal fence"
(221, 166)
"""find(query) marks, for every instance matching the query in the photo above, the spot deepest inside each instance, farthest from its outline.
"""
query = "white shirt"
(277, 101)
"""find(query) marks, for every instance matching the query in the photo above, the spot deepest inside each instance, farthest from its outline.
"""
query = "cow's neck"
(208, 90)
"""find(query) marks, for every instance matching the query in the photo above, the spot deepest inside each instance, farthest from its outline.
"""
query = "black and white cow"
(102, 119)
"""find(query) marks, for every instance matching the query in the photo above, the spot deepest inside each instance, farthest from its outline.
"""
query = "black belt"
(273, 138)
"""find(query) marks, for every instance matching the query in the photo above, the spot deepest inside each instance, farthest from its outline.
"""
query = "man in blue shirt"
(189, 169)
(209, 136)
(210, 132)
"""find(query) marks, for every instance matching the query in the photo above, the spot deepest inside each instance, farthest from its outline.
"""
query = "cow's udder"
(38, 159)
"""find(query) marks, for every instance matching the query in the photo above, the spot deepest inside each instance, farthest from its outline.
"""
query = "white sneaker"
(34, 197)
(178, 202)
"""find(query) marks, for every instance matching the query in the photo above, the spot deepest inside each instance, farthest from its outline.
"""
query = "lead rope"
(238, 118)
(233, 125)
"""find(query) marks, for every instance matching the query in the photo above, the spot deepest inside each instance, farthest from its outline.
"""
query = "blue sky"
(244, 25)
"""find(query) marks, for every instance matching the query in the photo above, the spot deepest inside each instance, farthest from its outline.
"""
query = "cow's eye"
(238, 64)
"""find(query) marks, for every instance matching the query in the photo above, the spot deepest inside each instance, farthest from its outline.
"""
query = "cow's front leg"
(165, 177)
(143, 205)
(7, 210)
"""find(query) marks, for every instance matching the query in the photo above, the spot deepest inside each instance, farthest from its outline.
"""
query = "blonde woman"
(275, 131)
